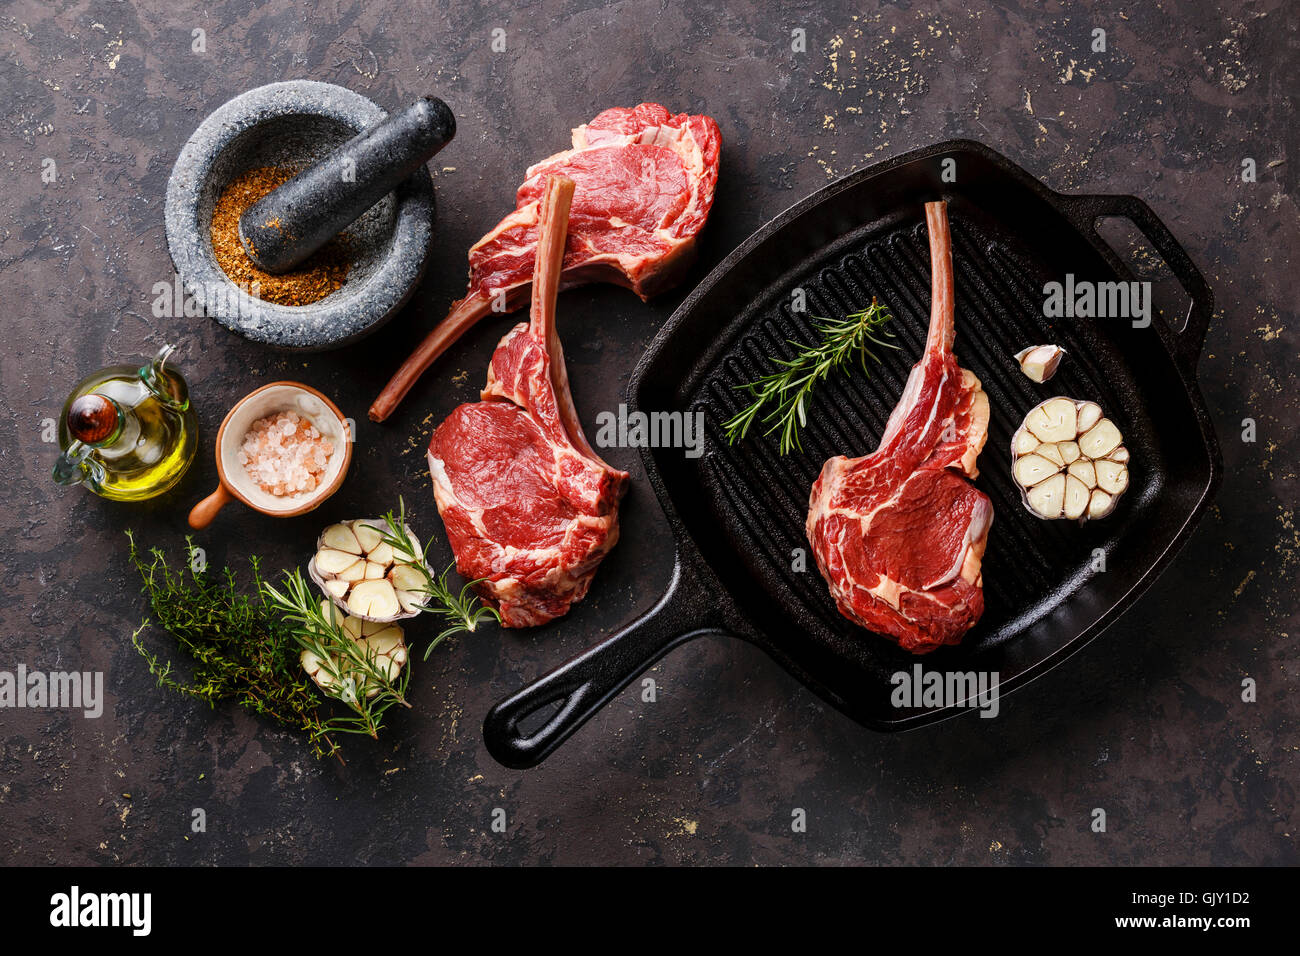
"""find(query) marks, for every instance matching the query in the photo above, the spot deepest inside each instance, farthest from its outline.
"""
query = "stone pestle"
(282, 229)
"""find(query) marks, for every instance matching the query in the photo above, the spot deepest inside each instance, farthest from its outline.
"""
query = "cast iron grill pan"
(738, 512)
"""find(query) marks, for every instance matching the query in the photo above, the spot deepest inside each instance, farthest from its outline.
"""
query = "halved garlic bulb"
(383, 644)
(1069, 460)
(364, 575)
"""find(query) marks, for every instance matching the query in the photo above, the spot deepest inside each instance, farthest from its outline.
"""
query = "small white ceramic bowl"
(235, 482)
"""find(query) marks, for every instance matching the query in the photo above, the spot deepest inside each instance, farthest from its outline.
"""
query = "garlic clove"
(389, 664)
(1032, 469)
(406, 578)
(1024, 442)
(336, 588)
(411, 601)
(352, 625)
(1069, 451)
(393, 665)
(388, 649)
(387, 640)
(1089, 415)
(410, 558)
(1085, 471)
(1120, 455)
(381, 554)
(340, 538)
(374, 598)
(1052, 453)
(315, 669)
(1100, 504)
(332, 561)
(1077, 495)
(1100, 440)
(1055, 420)
(1112, 477)
(354, 572)
(1047, 497)
(374, 570)
(369, 536)
(1039, 362)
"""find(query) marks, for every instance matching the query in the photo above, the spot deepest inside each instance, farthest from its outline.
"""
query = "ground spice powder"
(310, 282)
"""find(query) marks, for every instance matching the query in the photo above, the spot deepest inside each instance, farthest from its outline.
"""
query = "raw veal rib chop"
(900, 534)
(645, 181)
(529, 506)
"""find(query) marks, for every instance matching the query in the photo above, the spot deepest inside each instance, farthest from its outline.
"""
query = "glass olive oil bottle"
(128, 433)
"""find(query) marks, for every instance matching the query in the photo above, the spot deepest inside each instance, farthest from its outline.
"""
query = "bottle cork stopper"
(92, 418)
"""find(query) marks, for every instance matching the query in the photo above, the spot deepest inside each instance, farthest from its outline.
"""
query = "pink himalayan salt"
(285, 454)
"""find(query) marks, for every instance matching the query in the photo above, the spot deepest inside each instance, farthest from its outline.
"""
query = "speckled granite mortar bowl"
(296, 124)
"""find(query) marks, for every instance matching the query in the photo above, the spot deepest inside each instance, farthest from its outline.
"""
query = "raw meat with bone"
(529, 507)
(645, 182)
(900, 534)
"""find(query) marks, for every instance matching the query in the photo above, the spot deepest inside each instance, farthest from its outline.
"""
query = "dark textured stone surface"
(1148, 723)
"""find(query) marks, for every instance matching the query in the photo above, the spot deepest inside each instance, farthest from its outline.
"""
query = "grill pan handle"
(587, 682)
(1084, 211)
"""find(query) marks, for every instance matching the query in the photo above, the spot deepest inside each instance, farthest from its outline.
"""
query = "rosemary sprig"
(460, 612)
(355, 675)
(784, 394)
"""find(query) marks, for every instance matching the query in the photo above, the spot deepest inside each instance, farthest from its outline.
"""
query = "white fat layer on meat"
(558, 581)
(970, 567)
(438, 470)
(905, 403)
(445, 496)
(889, 591)
(967, 564)
(503, 587)
(979, 413)
(527, 216)
(934, 406)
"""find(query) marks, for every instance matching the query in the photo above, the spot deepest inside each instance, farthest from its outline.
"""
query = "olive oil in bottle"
(128, 433)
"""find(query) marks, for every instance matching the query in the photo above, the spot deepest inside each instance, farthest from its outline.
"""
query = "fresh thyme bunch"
(242, 649)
